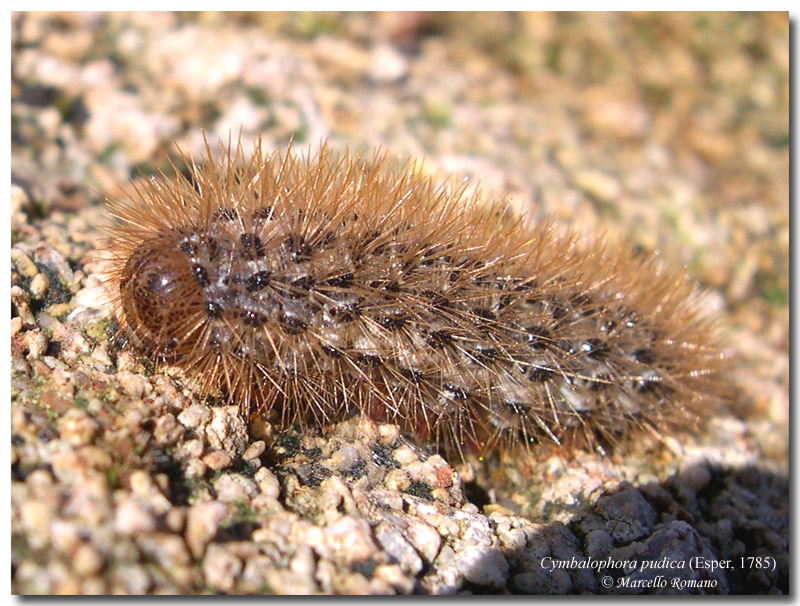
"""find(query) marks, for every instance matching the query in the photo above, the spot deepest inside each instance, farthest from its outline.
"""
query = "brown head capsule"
(158, 292)
(309, 289)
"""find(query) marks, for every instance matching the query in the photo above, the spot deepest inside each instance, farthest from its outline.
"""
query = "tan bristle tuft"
(309, 289)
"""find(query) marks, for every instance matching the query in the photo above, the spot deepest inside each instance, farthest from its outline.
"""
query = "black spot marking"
(385, 285)
(302, 285)
(254, 319)
(482, 315)
(251, 243)
(370, 360)
(648, 385)
(188, 248)
(263, 213)
(439, 338)
(486, 354)
(331, 351)
(347, 312)
(292, 325)
(258, 281)
(200, 275)
(455, 392)
(518, 408)
(298, 249)
(226, 214)
(644, 356)
(595, 348)
(392, 322)
(538, 337)
(344, 280)
(540, 375)
(436, 299)
(213, 310)
(413, 375)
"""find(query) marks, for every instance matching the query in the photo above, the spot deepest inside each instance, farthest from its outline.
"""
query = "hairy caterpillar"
(312, 288)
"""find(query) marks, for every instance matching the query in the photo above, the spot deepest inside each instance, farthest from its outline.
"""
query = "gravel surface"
(667, 131)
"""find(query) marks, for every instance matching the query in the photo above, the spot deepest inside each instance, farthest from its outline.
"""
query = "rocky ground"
(669, 131)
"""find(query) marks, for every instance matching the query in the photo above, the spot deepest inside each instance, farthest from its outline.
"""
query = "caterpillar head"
(158, 295)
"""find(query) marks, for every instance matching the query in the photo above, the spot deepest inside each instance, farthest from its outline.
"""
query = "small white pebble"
(23, 263)
(87, 561)
(255, 450)
(267, 483)
(221, 568)
(19, 199)
(39, 286)
(167, 430)
(483, 566)
(36, 343)
(195, 416)
(133, 385)
(195, 469)
(218, 459)
(233, 487)
(16, 326)
(133, 517)
(78, 427)
(21, 301)
(202, 522)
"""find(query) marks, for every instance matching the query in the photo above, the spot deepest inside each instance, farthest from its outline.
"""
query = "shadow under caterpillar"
(311, 288)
